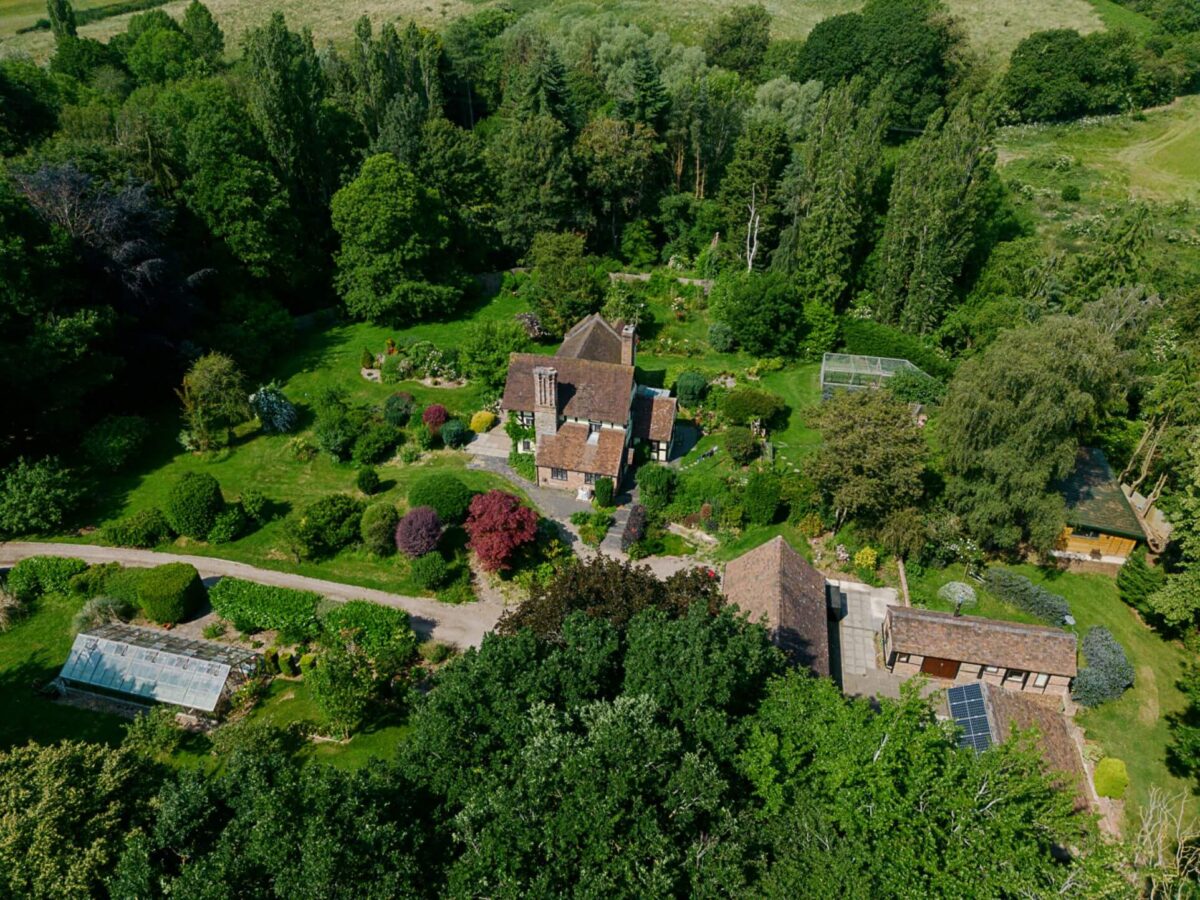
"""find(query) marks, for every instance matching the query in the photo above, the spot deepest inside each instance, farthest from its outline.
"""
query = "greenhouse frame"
(853, 372)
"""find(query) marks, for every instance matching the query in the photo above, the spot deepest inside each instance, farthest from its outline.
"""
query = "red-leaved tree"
(435, 417)
(418, 532)
(499, 526)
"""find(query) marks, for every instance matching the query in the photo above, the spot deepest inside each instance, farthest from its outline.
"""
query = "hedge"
(1111, 778)
(145, 528)
(255, 607)
(382, 632)
(170, 593)
(193, 504)
(867, 338)
(1024, 594)
(1108, 673)
(37, 575)
(445, 493)
(429, 571)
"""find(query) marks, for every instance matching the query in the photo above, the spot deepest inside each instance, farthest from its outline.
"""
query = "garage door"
(940, 668)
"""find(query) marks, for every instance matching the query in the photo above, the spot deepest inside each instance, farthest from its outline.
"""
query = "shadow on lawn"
(28, 714)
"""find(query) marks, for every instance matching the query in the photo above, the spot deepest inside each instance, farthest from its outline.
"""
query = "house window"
(1041, 680)
(991, 670)
(593, 427)
(558, 474)
(525, 419)
(902, 657)
(526, 446)
(589, 477)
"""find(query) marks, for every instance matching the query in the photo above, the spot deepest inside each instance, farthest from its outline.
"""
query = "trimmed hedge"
(1108, 673)
(37, 575)
(145, 528)
(449, 497)
(1024, 594)
(193, 504)
(429, 571)
(1111, 778)
(604, 490)
(253, 607)
(382, 632)
(170, 593)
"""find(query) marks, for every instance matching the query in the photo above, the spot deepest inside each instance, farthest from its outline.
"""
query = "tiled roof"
(586, 389)
(1011, 711)
(572, 448)
(775, 585)
(593, 338)
(1095, 499)
(971, 639)
(654, 417)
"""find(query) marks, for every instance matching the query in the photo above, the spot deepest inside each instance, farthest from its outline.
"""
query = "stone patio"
(858, 613)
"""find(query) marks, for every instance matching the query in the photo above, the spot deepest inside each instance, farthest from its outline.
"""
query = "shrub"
(255, 505)
(1024, 594)
(366, 359)
(100, 611)
(916, 387)
(1070, 193)
(153, 733)
(11, 609)
(145, 528)
(325, 526)
(448, 496)
(123, 584)
(110, 443)
(307, 663)
(1136, 580)
(35, 496)
(498, 526)
(378, 529)
(169, 593)
(93, 581)
(276, 413)
(287, 666)
(720, 337)
(409, 454)
(866, 559)
(398, 409)
(745, 405)
(429, 571)
(193, 504)
(419, 531)
(434, 417)
(37, 575)
(656, 485)
(213, 630)
(253, 607)
(603, 489)
(1111, 778)
(434, 652)
(376, 444)
(1107, 674)
(741, 445)
(454, 433)
(867, 338)
(424, 437)
(229, 525)
(523, 464)
(690, 388)
(384, 634)
(367, 480)
(271, 661)
(760, 500)
(635, 527)
(483, 421)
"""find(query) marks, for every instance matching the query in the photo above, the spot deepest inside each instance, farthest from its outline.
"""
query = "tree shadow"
(28, 712)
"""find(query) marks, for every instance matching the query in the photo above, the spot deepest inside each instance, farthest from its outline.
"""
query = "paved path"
(463, 625)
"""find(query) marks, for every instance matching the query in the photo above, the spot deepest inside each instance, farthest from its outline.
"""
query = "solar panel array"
(970, 712)
(148, 672)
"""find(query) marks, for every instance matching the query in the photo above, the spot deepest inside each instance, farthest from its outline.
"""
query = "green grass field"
(993, 28)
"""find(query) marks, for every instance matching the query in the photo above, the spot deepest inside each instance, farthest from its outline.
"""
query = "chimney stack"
(628, 345)
(545, 401)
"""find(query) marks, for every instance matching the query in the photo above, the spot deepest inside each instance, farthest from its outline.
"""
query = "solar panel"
(970, 713)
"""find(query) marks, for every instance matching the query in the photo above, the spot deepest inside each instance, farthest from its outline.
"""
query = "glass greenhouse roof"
(155, 666)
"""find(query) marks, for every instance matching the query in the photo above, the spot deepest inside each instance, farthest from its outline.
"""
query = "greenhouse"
(855, 373)
(143, 665)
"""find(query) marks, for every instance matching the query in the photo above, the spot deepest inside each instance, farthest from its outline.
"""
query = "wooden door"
(940, 668)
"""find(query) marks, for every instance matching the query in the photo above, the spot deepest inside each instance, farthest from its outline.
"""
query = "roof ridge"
(997, 624)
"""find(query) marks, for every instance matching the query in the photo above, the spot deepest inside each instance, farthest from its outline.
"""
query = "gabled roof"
(593, 338)
(572, 448)
(989, 642)
(654, 417)
(775, 585)
(1095, 499)
(586, 389)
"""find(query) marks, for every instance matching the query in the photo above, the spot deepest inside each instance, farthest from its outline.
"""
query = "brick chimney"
(628, 345)
(545, 400)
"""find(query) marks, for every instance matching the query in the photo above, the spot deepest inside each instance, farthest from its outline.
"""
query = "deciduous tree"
(499, 525)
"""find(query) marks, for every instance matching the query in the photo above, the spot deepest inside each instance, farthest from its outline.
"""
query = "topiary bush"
(455, 434)
(169, 593)
(308, 662)
(741, 445)
(37, 575)
(367, 480)
(253, 607)
(448, 496)
(397, 410)
(434, 417)
(1107, 674)
(325, 526)
(375, 445)
(276, 413)
(1024, 594)
(430, 571)
(193, 504)
(145, 528)
(635, 527)
(419, 531)
(690, 388)
(93, 581)
(760, 499)
(378, 528)
(603, 489)
(110, 443)
(1111, 778)
(483, 421)
(287, 665)
(230, 524)
(271, 661)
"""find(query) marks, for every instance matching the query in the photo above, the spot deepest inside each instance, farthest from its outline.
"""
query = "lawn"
(1132, 728)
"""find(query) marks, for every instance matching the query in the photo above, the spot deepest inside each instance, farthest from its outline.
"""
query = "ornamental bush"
(690, 388)
(449, 497)
(741, 445)
(483, 421)
(91, 582)
(276, 413)
(287, 664)
(145, 528)
(744, 405)
(434, 417)
(100, 611)
(430, 571)
(1136, 580)
(367, 480)
(418, 532)
(169, 593)
(603, 489)
(253, 607)
(325, 526)
(111, 442)
(193, 504)
(384, 634)
(656, 485)
(397, 410)
(760, 500)
(378, 529)
(255, 505)
(720, 337)
(635, 527)
(1111, 778)
(230, 524)
(454, 433)
(376, 444)
(1107, 673)
(1024, 594)
(499, 525)
(35, 496)
(37, 575)
(308, 662)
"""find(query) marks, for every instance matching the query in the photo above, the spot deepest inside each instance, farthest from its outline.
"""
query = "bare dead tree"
(1166, 847)
(752, 229)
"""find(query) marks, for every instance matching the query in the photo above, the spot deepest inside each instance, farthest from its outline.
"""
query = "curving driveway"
(463, 626)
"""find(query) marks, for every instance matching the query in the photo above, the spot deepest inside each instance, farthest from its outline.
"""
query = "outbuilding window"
(1041, 680)
(558, 474)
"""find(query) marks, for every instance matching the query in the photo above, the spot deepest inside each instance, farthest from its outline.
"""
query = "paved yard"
(859, 610)
(495, 444)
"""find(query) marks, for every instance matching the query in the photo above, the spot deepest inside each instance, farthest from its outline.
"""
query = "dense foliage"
(499, 525)
(445, 493)
(193, 504)
(1024, 594)
(1107, 673)
(170, 593)
(253, 607)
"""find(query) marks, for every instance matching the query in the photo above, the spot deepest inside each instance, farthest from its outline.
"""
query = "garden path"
(463, 626)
